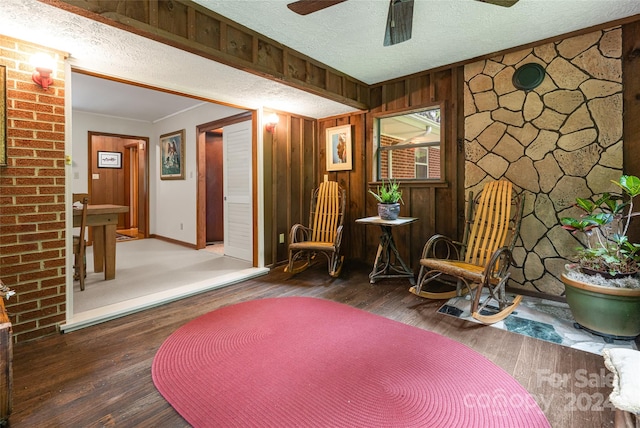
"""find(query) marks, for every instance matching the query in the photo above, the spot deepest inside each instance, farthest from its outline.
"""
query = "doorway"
(123, 183)
(215, 201)
(215, 188)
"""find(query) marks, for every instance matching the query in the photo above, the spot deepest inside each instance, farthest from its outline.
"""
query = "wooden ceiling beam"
(188, 26)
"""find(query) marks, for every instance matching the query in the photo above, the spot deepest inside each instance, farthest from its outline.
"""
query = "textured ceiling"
(100, 96)
(108, 51)
(347, 37)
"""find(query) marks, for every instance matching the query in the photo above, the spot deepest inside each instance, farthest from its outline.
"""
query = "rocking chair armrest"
(499, 263)
(452, 248)
(299, 233)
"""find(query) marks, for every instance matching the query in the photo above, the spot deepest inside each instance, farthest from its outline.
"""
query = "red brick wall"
(32, 194)
(434, 163)
(404, 161)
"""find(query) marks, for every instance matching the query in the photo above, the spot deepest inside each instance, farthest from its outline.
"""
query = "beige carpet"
(216, 247)
(148, 266)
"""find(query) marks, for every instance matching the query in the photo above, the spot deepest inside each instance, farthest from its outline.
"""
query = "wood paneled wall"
(631, 107)
(107, 185)
(295, 162)
(289, 177)
(439, 205)
(353, 181)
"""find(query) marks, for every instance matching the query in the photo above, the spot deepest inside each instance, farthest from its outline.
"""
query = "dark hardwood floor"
(101, 376)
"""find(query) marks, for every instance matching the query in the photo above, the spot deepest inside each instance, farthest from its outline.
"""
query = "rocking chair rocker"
(482, 259)
(324, 234)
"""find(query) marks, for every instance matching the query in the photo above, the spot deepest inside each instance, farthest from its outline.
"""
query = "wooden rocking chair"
(324, 234)
(483, 258)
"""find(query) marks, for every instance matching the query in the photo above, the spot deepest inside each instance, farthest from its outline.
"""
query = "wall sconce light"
(44, 66)
(271, 122)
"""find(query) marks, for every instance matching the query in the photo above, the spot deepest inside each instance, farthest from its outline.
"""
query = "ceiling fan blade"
(505, 3)
(305, 7)
(399, 22)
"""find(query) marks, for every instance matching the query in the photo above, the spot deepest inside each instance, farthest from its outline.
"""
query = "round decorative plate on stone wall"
(528, 76)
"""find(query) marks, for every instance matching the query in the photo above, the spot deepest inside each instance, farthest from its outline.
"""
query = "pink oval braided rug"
(304, 362)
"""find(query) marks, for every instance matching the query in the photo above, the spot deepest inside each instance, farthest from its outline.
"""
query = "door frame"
(129, 183)
(201, 207)
(144, 176)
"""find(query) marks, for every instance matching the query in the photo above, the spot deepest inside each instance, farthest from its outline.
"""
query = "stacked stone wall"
(556, 142)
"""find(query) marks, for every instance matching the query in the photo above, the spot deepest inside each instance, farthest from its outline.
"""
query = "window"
(408, 145)
(422, 162)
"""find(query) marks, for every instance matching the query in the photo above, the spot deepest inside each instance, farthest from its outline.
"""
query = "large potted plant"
(389, 197)
(603, 286)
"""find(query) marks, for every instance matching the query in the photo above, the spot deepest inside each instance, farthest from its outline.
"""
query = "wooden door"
(214, 185)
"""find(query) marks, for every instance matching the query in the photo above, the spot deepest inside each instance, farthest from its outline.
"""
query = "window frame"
(425, 164)
(378, 150)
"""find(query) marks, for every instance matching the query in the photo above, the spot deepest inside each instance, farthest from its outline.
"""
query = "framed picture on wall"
(3, 116)
(172, 156)
(339, 148)
(109, 159)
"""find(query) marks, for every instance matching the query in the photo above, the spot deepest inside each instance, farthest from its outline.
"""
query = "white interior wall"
(82, 123)
(173, 202)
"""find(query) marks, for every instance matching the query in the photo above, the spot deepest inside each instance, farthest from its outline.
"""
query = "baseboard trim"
(173, 241)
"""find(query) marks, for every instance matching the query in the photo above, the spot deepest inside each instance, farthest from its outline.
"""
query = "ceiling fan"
(399, 18)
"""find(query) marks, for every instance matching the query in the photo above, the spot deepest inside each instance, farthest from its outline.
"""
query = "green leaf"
(620, 239)
(599, 219)
(586, 204)
(388, 193)
(582, 225)
(630, 184)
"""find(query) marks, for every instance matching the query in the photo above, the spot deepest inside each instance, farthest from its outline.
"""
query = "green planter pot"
(613, 313)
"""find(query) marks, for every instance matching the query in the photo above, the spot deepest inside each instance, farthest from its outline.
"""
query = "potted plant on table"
(603, 286)
(389, 197)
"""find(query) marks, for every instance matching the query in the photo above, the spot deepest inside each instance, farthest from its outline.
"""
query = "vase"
(610, 312)
(389, 211)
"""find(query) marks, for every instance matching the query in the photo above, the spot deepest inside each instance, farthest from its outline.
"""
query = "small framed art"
(109, 159)
(339, 148)
(172, 156)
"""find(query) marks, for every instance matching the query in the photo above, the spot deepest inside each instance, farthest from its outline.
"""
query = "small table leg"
(104, 250)
(98, 248)
(383, 266)
(110, 251)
